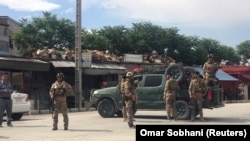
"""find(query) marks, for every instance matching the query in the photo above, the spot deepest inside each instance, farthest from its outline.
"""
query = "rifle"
(53, 107)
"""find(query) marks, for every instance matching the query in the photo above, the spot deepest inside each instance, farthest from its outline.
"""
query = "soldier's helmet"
(124, 75)
(210, 56)
(60, 74)
(154, 52)
(129, 74)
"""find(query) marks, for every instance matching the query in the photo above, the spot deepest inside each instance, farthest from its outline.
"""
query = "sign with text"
(135, 58)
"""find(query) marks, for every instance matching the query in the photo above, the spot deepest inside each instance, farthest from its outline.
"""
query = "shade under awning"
(95, 69)
(23, 64)
(63, 64)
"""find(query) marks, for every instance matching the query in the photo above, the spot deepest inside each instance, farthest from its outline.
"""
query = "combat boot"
(192, 118)
(9, 124)
(66, 126)
(131, 125)
(168, 117)
(54, 128)
(55, 125)
(201, 117)
(192, 114)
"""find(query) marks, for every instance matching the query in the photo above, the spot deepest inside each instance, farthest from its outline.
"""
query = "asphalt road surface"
(89, 126)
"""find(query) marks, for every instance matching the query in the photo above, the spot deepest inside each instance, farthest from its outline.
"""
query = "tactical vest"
(129, 87)
(172, 86)
(199, 86)
(59, 88)
(210, 68)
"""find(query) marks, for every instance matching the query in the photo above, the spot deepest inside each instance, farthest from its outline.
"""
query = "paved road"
(89, 126)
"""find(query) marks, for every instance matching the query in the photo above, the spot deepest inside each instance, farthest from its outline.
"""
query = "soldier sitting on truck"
(209, 70)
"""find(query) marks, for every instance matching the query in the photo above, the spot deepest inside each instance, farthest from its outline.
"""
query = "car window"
(137, 81)
(153, 81)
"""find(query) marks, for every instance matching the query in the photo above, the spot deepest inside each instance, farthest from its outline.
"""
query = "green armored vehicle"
(108, 103)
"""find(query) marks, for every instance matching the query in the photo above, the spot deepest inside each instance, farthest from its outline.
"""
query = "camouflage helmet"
(129, 74)
(60, 74)
(210, 56)
(154, 52)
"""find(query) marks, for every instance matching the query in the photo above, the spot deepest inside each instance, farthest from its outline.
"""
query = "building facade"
(7, 27)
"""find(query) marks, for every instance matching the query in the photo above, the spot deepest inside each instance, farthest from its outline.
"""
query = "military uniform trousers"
(130, 111)
(196, 101)
(60, 106)
(124, 109)
(170, 100)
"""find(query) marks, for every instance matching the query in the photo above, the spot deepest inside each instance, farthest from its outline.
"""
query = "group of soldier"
(197, 89)
(60, 89)
(129, 98)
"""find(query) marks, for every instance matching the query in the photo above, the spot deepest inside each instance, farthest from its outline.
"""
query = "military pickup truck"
(108, 103)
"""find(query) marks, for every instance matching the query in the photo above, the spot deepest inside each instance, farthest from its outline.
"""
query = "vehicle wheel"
(188, 71)
(106, 108)
(183, 110)
(176, 70)
(17, 116)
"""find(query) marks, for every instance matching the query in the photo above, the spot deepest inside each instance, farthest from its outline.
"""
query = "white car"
(21, 105)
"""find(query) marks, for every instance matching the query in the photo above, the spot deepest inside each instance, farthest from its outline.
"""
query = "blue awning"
(220, 74)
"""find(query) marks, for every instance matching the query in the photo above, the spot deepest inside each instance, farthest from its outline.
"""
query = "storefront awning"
(23, 64)
(95, 69)
(63, 64)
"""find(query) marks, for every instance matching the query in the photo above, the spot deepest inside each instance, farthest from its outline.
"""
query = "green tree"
(244, 49)
(228, 53)
(44, 32)
(117, 37)
(92, 40)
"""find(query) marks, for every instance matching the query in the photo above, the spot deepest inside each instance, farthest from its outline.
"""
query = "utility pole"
(78, 57)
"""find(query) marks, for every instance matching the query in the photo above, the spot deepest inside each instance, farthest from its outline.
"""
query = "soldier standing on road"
(170, 90)
(122, 94)
(131, 97)
(197, 88)
(59, 90)
(6, 90)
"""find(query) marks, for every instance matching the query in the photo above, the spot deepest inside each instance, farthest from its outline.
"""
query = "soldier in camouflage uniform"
(197, 89)
(59, 90)
(130, 98)
(171, 87)
(209, 70)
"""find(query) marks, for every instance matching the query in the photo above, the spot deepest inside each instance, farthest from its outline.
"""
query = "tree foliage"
(44, 32)
(142, 38)
(244, 49)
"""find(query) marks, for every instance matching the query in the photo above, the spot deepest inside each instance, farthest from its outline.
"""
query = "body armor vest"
(59, 88)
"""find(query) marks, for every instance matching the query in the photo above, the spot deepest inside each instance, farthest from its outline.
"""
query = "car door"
(150, 92)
